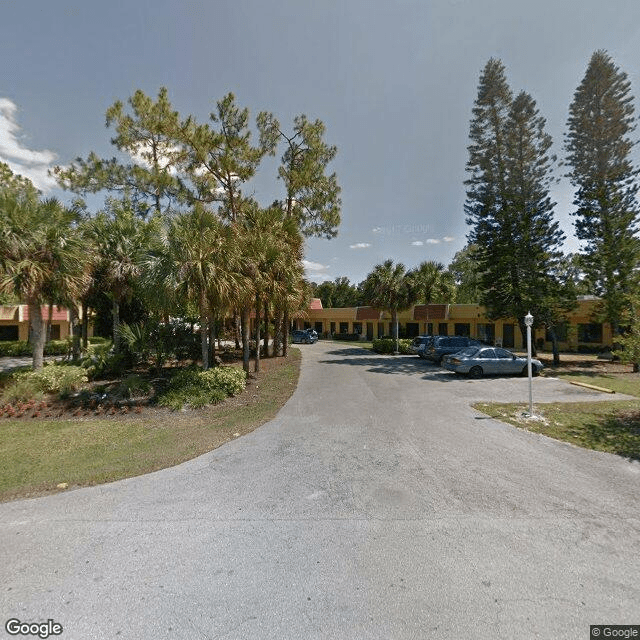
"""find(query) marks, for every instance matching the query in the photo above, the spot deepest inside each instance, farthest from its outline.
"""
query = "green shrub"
(21, 390)
(349, 337)
(57, 348)
(388, 345)
(199, 388)
(15, 348)
(55, 378)
(132, 385)
(231, 380)
(100, 363)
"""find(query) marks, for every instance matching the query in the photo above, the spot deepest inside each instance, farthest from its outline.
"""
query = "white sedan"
(479, 361)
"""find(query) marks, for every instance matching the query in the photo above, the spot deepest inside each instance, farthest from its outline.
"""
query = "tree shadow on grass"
(617, 433)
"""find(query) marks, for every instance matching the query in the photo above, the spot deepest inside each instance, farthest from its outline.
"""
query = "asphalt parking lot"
(377, 504)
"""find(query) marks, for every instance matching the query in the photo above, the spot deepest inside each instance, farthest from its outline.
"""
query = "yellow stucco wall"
(470, 316)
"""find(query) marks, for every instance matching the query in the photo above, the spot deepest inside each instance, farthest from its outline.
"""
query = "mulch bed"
(94, 403)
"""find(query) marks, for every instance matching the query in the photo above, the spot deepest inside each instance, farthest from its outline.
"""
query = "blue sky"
(393, 81)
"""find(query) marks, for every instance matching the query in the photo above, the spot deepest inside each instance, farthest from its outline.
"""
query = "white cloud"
(315, 270)
(432, 241)
(359, 245)
(377, 229)
(417, 243)
(448, 238)
(23, 161)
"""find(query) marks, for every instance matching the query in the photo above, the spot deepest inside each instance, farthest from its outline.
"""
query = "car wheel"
(475, 372)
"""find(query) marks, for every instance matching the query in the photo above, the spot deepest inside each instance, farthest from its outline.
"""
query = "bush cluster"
(22, 348)
(388, 345)
(350, 337)
(29, 385)
(199, 388)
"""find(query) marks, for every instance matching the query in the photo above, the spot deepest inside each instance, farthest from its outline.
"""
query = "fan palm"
(42, 257)
(202, 266)
(388, 287)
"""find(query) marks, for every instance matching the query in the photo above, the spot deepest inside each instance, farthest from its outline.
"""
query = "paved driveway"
(377, 504)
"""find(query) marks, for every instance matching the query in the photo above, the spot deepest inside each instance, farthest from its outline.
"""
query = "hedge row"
(22, 348)
(388, 345)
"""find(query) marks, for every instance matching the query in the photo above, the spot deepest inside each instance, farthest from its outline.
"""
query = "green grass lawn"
(611, 426)
(37, 455)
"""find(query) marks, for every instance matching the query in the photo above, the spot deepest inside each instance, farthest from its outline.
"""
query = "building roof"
(315, 304)
(430, 312)
(367, 313)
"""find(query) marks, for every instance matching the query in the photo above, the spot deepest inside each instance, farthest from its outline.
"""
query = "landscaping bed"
(73, 443)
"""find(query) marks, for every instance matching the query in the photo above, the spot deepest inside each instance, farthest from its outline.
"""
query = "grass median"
(611, 425)
(38, 456)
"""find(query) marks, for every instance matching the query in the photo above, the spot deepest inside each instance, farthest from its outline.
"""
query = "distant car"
(417, 343)
(441, 346)
(304, 336)
(479, 361)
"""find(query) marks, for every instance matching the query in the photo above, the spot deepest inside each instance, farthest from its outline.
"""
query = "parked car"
(417, 343)
(441, 346)
(479, 361)
(304, 336)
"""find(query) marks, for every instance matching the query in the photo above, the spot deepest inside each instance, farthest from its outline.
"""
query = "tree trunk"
(204, 333)
(266, 330)
(257, 363)
(49, 321)
(554, 347)
(236, 328)
(85, 325)
(75, 333)
(116, 325)
(523, 333)
(212, 341)
(277, 338)
(285, 333)
(245, 340)
(38, 334)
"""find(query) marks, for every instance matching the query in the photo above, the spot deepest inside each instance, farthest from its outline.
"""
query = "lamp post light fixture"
(528, 320)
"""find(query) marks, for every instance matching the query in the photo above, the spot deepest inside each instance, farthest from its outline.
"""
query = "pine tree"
(508, 205)
(601, 119)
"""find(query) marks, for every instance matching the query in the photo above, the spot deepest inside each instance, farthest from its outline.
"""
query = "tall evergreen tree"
(150, 136)
(508, 205)
(598, 145)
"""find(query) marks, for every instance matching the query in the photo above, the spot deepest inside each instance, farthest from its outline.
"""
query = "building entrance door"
(507, 336)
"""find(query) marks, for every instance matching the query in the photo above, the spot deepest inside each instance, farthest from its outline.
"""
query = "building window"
(344, 327)
(561, 333)
(380, 329)
(429, 328)
(591, 332)
(462, 329)
(357, 328)
(486, 332)
(443, 329)
(333, 327)
(319, 328)
(55, 332)
(413, 329)
(9, 332)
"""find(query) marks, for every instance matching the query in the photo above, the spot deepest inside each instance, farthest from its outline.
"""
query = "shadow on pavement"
(399, 365)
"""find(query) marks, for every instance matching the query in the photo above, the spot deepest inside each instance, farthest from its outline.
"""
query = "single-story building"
(14, 322)
(580, 333)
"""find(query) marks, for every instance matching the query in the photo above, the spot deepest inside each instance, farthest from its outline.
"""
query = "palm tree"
(121, 241)
(201, 265)
(273, 246)
(388, 287)
(433, 283)
(42, 258)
